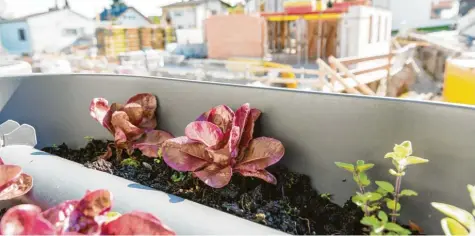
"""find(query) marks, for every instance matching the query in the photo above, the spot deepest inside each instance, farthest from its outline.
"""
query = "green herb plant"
(369, 202)
(178, 176)
(458, 221)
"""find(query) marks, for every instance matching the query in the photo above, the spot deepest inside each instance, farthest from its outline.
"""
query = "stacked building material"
(146, 38)
(133, 39)
(113, 40)
(158, 38)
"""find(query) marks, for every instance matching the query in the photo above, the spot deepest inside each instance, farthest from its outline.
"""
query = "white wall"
(191, 17)
(132, 18)
(183, 17)
(48, 31)
(411, 13)
(364, 31)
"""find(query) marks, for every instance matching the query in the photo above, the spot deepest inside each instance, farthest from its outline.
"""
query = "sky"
(89, 8)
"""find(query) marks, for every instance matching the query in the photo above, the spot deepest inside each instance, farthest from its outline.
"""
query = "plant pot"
(57, 180)
(317, 129)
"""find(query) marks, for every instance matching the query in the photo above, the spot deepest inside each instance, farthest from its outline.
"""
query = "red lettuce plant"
(13, 182)
(221, 142)
(133, 124)
(90, 215)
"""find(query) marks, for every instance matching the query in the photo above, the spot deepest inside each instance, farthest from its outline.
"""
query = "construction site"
(342, 47)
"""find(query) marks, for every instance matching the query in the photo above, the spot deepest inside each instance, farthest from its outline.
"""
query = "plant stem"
(396, 198)
(366, 212)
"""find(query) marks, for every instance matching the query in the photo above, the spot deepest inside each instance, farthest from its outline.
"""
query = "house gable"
(132, 17)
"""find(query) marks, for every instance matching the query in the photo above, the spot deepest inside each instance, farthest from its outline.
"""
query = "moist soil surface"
(292, 205)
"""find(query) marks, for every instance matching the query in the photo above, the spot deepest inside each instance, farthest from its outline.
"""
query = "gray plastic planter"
(317, 129)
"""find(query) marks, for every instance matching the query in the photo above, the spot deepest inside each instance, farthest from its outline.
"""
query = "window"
(70, 32)
(21, 35)
(178, 13)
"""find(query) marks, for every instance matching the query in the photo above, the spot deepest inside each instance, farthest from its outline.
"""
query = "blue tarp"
(192, 50)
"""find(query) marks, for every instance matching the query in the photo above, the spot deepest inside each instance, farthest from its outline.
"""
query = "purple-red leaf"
(222, 116)
(248, 132)
(152, 142)
(99, 110)
(95, 203)
(262, 152)
(108, 154)
(215, 176)
(239, 122)
(136, 223)
(135, 112)
(59, 215)
(25, 219)
(261, 174)
(8, 173)
(120, 121)
(1, 161)
(18, 187)
(183, 154)
(204, 132)
(148, 102)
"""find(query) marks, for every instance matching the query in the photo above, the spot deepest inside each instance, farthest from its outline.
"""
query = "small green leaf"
(156, 160)
(383, 216)
(400, 151)
(358, 200)
(370, 221)
(390, 204)
(373, 196)
(394, 227)
(359, 162)
(471, 190)
(408, 192)
(393, 172)
(391, 155)
(364, 180)
(452, 227)
(412, 160)
(382, 192)
(130, 162)
(462, 216)
(408, 146)
(385, 185)
(364, 167)
(346, 166)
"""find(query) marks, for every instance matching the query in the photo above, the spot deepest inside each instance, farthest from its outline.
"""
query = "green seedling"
(401, 159)
(361, 199)
(458, 221)
(380, 225)
(327, 196)
(178, 176)
(130, 162)
(89, 138)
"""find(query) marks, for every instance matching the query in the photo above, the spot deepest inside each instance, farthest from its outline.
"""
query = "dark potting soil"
(292, 205)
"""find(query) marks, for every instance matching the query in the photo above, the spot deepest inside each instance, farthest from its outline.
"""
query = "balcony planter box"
(317, 129)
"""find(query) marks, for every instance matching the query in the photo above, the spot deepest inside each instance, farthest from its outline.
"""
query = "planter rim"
(57, 180)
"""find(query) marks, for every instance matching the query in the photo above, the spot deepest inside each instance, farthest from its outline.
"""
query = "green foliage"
(380, 225)
(130, 162)
(178, 176)
(327, 196)
(89, 138)
(370, 202)
(458, 221)
(156, 160)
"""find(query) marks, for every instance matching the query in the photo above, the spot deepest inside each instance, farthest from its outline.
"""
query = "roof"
(122, 12)
(24, 18)
(192, 3)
